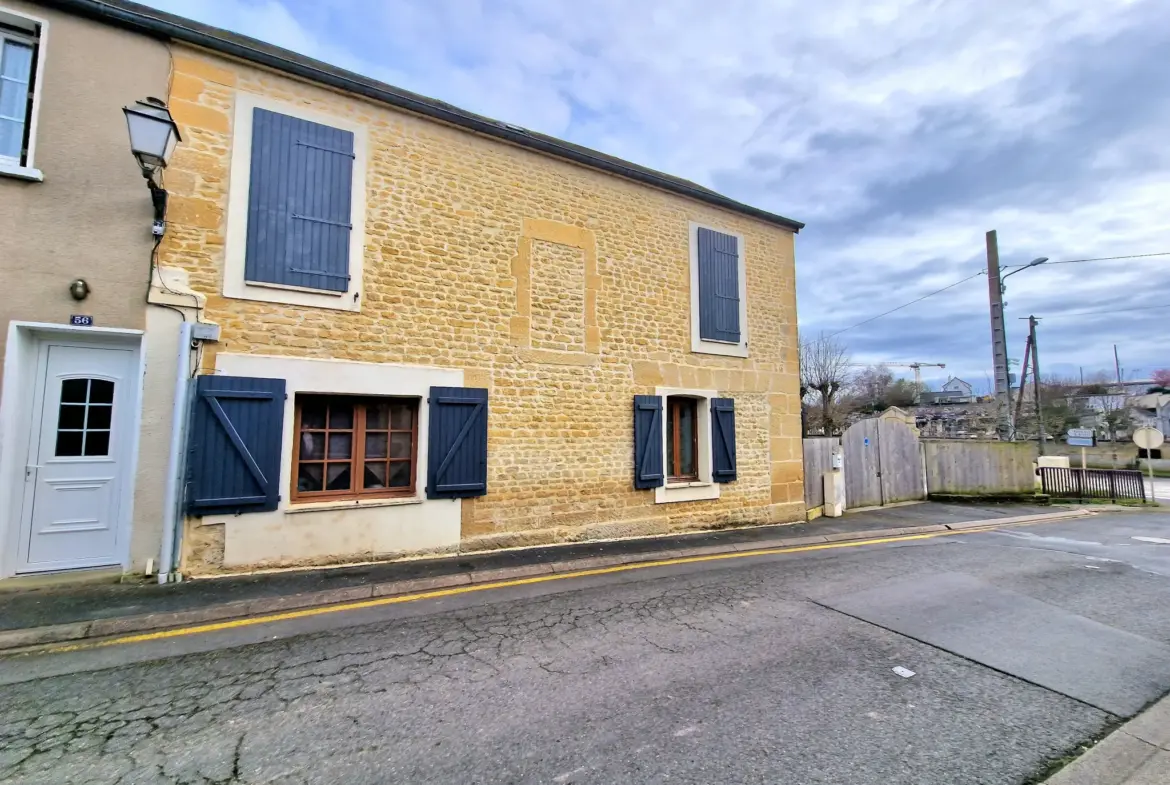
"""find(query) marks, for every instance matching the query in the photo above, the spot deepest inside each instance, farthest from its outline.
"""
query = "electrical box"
(838, 461)
(205, 332)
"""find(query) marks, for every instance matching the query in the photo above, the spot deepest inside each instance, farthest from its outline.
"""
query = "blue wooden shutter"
(233, 445)
(718, 286)
(457, 445)
(648, 472)
(723, 439)
(299, 202)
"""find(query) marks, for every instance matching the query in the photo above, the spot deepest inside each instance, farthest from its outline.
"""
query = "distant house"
(954, 391)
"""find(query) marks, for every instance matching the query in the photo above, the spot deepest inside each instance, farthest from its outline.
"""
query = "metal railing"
(1111, 484)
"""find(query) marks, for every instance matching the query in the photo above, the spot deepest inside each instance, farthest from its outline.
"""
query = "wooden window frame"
(674, 406)
(357, 460)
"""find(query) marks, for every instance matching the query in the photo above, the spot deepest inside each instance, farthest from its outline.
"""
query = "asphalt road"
(1024, 644)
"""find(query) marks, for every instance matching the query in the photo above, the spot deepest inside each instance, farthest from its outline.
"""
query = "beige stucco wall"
(91, 215)
(90, 218)
(563, 290)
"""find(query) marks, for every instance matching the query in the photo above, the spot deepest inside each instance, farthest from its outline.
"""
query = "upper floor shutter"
(648, 462)
(299, 200)
(233, 445)
(457, 444)
(718, 256)
(723, 439)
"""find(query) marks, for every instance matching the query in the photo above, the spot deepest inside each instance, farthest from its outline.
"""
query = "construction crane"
(917, 372)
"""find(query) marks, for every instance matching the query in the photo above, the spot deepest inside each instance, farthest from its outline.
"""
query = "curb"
(120, 625)
(1137, 752)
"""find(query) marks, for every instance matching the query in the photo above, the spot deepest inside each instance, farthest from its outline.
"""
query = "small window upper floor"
(296, 206)
(718, 292)
(22, 41)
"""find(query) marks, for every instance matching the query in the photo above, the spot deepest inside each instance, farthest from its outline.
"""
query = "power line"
(1115, 310)
(907, 305)
(1105, 258)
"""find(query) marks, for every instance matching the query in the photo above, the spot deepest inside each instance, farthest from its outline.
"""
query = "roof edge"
(161, 24)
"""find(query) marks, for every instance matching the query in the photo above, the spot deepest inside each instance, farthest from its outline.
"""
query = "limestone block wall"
(564, 290)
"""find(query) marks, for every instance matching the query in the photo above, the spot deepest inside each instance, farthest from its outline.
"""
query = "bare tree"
(824, 370)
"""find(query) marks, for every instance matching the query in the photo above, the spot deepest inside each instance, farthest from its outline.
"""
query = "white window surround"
(704, 487)
(323, 529)
(699, 345)
(234, 284)
(37, 31)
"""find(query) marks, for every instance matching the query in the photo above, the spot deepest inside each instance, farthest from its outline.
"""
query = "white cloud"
(865, 118)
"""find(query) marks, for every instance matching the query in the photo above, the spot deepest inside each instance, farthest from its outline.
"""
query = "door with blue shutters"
(299, 203)
(233, 445)
(457, 444)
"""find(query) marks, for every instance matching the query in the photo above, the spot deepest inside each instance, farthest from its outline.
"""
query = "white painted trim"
(39, 27)
(718, 347)
(235, 245)
(21, 370)
(705, 488)
(319, 530)
(8, 169)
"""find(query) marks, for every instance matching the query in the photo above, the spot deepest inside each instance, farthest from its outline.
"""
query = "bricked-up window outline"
(698, 343)
(682, 439)
(352, 447)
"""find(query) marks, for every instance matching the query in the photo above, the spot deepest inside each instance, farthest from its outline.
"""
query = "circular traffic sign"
(1148, 438)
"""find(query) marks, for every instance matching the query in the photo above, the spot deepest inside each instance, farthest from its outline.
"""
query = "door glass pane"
(97, 442)
(670, 439)
(399, 474)
(400, 445)
(68, 443)
(101, 391)
(13, 99)
(340, 445)
(337, 477)
(310, 477)
(74, 390)
(71, 417)
(375, 445)
(11, 138)
(340, 416)
(375, 475)
(99, 416)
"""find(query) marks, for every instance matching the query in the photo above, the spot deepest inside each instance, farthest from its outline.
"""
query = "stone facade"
(564, 290)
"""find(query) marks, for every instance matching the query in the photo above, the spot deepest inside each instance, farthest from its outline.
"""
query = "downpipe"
(172, 501)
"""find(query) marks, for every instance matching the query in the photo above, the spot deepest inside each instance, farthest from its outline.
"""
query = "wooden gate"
(883, 464)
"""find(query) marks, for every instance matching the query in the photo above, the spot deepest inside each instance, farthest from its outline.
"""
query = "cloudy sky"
(900, 131)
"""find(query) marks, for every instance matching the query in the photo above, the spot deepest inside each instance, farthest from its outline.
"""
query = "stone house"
(413, 329)
(83, 443)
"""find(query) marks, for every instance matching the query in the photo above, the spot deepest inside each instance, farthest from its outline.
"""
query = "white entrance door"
(78, 455)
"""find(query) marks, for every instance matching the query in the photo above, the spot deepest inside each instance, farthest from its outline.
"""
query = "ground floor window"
(348, 447)
(682, 439)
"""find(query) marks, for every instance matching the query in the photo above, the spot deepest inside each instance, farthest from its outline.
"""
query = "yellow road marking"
(477, 587)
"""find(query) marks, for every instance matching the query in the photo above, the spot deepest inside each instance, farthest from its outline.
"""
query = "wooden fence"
(818, 459)
(974, 467)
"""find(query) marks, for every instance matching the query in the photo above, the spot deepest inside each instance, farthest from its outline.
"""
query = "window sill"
(21, 172)
(690, 484)
(352, 504)
(719, 347)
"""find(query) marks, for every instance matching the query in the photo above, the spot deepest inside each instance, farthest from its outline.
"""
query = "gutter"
(137, 18)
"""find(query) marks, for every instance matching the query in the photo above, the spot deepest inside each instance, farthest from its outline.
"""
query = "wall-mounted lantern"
(153, 137)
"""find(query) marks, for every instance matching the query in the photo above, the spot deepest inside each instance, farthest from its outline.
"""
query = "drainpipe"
(172, 515)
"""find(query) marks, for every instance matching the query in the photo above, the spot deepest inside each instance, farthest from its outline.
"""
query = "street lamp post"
(999, 352)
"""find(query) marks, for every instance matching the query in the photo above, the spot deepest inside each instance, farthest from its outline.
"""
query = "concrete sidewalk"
(1138, 753)
(41, 616)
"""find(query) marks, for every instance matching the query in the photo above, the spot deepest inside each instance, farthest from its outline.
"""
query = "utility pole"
(1116, 364)
(999, 354)
(1036, 383)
